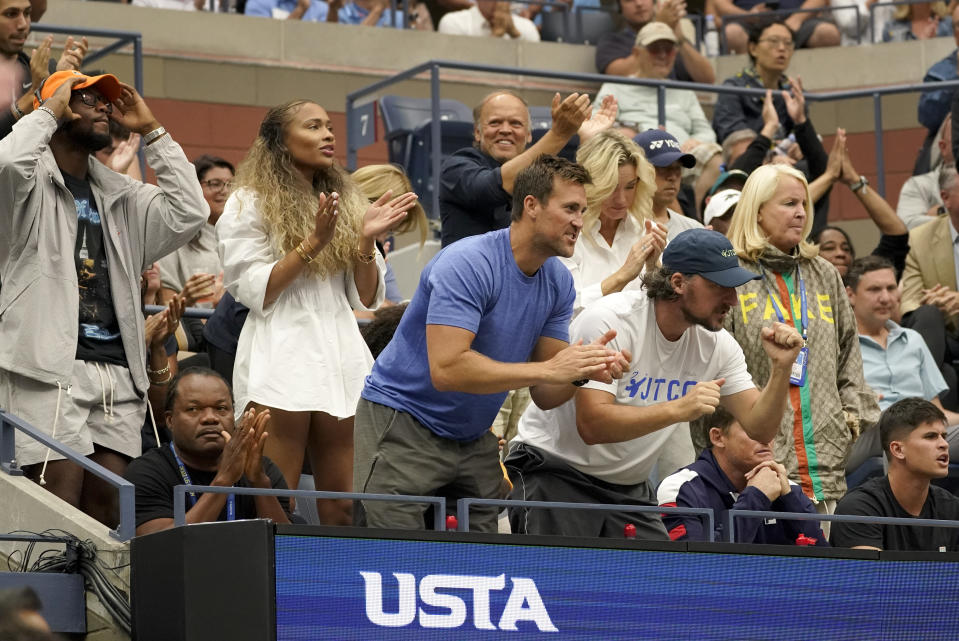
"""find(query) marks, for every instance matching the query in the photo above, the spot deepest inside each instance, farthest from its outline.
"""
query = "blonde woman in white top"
(296, 240)
(618, 238)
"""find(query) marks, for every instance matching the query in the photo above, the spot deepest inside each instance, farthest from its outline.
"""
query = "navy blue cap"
(662, 149)
(707, 253)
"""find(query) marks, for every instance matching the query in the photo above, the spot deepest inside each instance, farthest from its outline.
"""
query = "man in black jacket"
(477, 182)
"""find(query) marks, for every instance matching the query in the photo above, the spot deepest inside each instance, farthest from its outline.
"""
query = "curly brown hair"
(287, 205)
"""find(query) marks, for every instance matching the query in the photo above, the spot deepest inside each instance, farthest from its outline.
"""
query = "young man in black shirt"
(913, 435)
(206, 450)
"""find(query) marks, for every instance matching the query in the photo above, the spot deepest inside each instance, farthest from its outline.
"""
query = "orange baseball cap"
(108, 84)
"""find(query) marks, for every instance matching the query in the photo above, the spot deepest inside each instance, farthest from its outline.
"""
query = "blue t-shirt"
(352, 13)
(475, 285)
(264, 8)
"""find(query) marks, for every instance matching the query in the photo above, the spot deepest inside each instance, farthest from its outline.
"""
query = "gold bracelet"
(366, 259)
(302, 253)
(158, 372)
(312, 250)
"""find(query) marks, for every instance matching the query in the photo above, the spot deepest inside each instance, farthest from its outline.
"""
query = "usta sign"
(524, 602)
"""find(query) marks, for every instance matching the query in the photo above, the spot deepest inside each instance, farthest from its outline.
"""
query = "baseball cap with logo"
(107, 84)
(720, 204)
(662, 149)
(654, 32)
(708, 254)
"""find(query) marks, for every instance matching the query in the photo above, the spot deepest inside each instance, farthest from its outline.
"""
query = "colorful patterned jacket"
(829, 411)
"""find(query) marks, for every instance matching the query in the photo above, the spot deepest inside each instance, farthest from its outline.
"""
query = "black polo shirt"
(472, 198)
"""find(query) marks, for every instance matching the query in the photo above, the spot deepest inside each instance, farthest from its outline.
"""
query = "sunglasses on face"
(91, 99)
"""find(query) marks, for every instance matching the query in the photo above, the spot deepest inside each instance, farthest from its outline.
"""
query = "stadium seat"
(580, 27)
(870, 468)
(402, 115)
(590, 26)
(454, 135)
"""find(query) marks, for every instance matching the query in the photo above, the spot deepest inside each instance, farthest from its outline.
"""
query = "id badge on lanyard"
(797, 375)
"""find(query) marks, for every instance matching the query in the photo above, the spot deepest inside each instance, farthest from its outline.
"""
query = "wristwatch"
(860, 184)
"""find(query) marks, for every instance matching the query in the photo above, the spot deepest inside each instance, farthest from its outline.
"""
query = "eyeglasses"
(216, 184)
(775, 43)
(91, 99)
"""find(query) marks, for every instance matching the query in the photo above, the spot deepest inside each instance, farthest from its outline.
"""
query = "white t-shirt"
(661, 371)
(470, 22)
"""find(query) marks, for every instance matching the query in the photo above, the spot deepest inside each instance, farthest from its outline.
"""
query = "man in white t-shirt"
(600, 446)
(489, 18)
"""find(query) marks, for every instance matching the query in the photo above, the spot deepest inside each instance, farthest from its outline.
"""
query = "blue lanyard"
(230, 498)
(803, 318)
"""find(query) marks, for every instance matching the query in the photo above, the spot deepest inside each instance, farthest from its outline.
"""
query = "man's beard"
(89, 139)
(701, 321)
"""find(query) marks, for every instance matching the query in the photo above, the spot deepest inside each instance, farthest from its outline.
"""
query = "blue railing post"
(179, 505)
(350, 140)
(880, 161)
(436, 148)
(661, 106)
(8, 451)
(126, 529)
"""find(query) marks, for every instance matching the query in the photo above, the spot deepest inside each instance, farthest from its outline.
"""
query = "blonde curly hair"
(287, 206)
(602, 156)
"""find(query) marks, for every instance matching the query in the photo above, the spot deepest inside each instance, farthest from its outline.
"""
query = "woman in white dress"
(619, 236)
(296, 240)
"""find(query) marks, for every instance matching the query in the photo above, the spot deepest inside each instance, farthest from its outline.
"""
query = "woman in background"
(373, 181)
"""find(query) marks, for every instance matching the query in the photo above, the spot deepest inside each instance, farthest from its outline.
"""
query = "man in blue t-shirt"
(491, 314)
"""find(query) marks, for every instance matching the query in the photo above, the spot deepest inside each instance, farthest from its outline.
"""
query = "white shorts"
(100, 406)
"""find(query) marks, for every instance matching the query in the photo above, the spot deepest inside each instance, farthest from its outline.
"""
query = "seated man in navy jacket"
(736, 472)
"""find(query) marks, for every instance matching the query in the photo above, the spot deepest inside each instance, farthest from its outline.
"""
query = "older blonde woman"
(618, 237)
(296, 240)
(829, 400)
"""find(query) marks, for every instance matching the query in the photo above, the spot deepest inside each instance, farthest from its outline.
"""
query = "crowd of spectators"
(623, 352)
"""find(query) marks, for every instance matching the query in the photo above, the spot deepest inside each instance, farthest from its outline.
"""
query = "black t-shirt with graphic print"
(99, 336)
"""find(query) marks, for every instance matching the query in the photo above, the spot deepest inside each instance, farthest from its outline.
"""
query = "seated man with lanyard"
(206, 450)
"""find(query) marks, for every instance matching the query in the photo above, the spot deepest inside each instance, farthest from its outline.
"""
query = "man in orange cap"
(74, 238)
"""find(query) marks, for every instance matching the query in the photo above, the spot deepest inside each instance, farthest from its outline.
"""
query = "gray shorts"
(100, 406)
(394, 454)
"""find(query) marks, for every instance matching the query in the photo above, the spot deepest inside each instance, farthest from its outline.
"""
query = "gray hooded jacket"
(39, 299)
